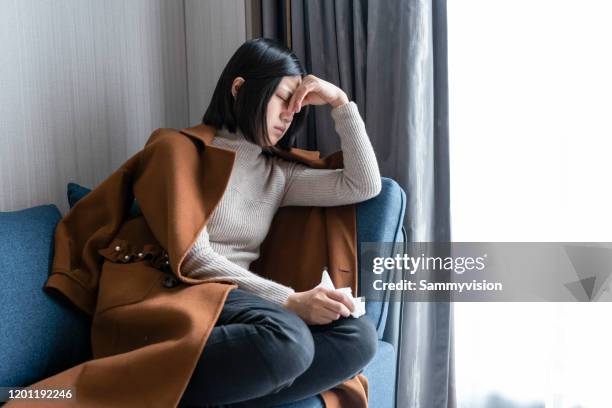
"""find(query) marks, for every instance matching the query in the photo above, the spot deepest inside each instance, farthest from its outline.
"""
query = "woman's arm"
(358, 181)
(202, 262)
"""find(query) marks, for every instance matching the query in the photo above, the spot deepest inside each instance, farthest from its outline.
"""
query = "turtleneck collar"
(237, 142)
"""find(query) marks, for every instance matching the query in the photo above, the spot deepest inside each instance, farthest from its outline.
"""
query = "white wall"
(84, 83)
(215, 30)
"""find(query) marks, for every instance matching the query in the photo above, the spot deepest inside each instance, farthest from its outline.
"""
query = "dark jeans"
(260, 354)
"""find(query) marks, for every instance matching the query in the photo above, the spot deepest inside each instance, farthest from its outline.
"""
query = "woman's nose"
(286, 115)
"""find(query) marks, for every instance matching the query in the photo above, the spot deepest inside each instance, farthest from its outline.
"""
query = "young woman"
(272, 345)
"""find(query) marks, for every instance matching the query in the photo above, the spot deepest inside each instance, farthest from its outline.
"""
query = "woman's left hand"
(315, 91)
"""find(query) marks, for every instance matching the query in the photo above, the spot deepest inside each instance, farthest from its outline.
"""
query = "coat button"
(117, 248)
(169, 281)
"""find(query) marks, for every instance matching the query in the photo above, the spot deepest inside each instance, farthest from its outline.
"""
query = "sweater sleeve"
(358, 181)
(202, 262)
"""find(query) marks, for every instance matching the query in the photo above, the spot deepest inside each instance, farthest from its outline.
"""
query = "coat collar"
(206, 133)
(202, 132)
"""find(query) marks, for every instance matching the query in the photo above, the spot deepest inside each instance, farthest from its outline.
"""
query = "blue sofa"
(41, 335)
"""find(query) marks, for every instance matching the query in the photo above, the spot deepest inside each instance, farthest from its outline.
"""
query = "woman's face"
(278, 115)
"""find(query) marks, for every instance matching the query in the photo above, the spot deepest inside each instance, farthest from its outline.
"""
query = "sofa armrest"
(380, 219)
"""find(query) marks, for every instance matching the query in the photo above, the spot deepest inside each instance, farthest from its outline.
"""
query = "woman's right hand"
(319, 305)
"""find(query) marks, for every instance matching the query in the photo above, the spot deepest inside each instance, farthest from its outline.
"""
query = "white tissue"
(359, 302)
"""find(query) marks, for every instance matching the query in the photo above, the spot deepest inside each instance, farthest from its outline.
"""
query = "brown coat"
(150, 323)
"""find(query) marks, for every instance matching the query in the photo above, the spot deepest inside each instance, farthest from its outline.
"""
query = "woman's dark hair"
(263, 63)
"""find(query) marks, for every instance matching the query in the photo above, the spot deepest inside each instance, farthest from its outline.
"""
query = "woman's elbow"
(370, 190)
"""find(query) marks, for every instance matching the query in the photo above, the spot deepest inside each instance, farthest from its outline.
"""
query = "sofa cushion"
(75, 192)
(41, 335)
(381, 374)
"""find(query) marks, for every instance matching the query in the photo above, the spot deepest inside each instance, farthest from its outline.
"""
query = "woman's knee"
(363, 337)
(293, 349)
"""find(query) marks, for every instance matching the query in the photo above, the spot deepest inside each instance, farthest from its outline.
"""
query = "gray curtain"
(390, 57)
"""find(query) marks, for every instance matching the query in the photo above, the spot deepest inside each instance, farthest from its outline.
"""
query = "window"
(530, 84)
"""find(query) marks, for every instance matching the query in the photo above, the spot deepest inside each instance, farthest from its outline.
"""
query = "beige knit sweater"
(259, 185)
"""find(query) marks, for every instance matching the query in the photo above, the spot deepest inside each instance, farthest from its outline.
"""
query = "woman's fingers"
(294, 97)
(342, 298)
(337, 307)
(314, 91)
(300, 93)
(322, 306)
(329, 315)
